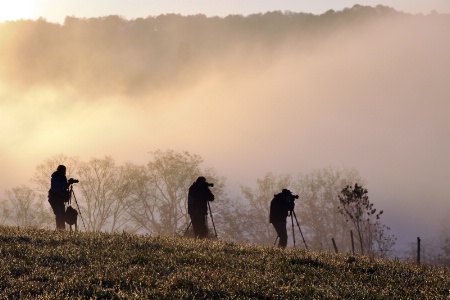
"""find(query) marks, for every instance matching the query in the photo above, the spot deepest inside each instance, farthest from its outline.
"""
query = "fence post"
(353, 242)
(418, 250)
(334, 244)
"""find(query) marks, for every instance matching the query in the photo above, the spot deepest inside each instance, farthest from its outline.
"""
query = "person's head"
(201, 180)
(286, 192)
(61, 169)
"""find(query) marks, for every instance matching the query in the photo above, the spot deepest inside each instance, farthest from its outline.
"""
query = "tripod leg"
(298, 225)
(293, 233)
(190, 223)
(276, 239)
(78, 207)
(212, 220)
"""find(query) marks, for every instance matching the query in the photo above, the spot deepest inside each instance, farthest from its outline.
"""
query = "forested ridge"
(114, 55)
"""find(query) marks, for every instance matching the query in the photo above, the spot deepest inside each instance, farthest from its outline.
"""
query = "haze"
(57, 10)
(374, 98)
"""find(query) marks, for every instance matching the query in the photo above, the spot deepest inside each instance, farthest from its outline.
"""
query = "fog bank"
(371, 96)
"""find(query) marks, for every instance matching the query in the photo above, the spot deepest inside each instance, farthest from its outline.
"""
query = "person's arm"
(210, 195)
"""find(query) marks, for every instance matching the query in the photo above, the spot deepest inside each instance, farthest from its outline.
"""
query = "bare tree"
(317, 208)
(220, 208)
(21, 202)
(42, 179)
(107, 193)
(105, 189)
(162, 191)
(25, 209)
(358, 210)
(44, 171)
(142, 210)
(5, 212)
(234, 220)
(259, 230)
(126, 176)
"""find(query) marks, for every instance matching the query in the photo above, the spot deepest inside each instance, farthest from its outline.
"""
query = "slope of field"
(46, 264)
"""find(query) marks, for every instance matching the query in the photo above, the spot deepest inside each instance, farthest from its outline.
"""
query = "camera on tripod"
(209, 184)
(293, 197)
(72, 181)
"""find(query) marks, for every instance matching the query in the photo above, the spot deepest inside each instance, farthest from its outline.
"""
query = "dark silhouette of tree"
(317, 208)
(357, 209)
(360, 212)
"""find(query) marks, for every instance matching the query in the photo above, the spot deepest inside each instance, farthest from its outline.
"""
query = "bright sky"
(57, 10)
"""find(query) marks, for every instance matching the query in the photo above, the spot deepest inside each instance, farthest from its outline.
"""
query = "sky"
(378, 104)
(57, 10)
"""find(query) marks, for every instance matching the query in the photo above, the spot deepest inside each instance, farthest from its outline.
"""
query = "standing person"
(198, 197)
(58, 195)
(280, 206)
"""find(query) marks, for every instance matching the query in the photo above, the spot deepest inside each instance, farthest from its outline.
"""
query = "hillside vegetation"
(112, 56)
(48, 264)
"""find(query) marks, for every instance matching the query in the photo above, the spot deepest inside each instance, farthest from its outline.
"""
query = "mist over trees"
(318, 206)
(152, 199)
(110, 55)
(371, 234)
(259, 202)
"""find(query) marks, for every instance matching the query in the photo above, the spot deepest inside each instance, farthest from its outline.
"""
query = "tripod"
(293, 215)
(72, 193)
(212, 220)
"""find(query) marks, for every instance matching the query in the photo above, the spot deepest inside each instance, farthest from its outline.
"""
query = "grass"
(42, 264)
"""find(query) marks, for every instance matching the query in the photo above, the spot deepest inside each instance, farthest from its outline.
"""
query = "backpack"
(71, 215)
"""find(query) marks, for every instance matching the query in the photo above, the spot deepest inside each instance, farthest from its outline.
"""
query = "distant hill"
(48, 264)
(114, 55)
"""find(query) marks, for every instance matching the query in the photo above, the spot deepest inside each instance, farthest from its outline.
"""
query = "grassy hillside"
(47, 264)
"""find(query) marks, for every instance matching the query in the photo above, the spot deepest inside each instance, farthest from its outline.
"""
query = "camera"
(72, 181)
(209, 184)
(293, 197)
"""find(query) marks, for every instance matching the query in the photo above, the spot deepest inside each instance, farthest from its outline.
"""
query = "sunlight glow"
(16, 10)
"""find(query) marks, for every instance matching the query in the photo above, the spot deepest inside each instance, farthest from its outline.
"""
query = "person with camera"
(198, 197)
(59, 194)
(280, 206)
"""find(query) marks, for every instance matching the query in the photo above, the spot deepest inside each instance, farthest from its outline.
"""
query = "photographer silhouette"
(58, 195)
(198, 199)
(280, 206)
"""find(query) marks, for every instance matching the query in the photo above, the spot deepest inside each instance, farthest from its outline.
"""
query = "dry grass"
(42, 264)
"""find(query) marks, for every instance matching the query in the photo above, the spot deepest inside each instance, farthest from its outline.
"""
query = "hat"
(286, 191)
(201, 179)
(61, 168)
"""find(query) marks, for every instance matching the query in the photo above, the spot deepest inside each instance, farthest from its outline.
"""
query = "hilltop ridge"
(48, 264)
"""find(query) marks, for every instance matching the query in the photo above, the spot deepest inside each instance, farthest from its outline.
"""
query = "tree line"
(152, 199)
(169, 50)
